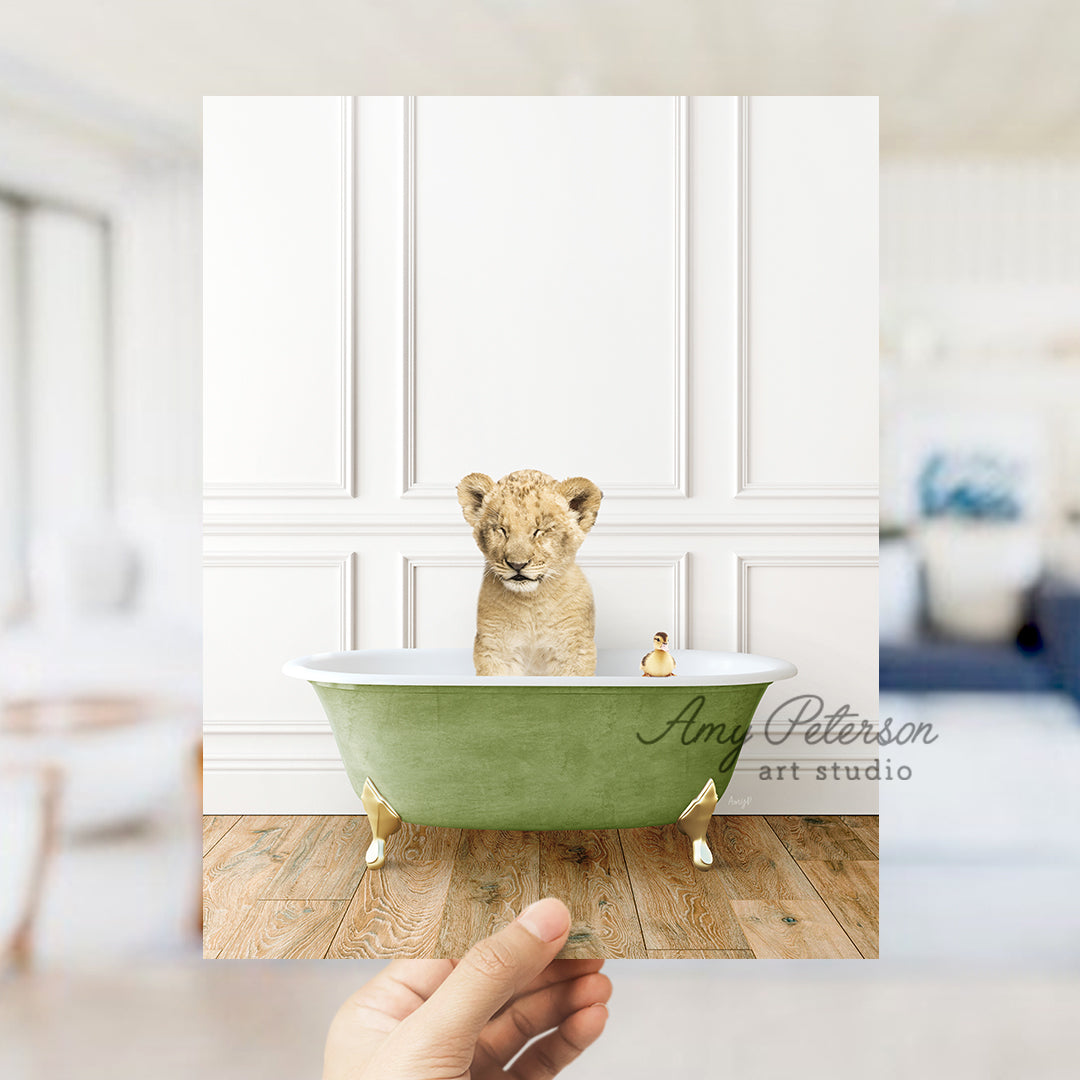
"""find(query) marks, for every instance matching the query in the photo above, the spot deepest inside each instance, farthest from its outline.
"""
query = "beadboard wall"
(676, 297)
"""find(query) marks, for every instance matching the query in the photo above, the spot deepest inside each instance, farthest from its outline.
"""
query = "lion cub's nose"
(517, 565)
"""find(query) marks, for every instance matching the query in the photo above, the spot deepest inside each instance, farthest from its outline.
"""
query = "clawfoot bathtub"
(424, 740)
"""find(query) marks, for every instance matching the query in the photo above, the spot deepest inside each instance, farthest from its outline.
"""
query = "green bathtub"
(425, 740)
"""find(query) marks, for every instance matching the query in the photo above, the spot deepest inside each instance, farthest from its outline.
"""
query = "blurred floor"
(668, 1019)
(121, 865)
(981, 847)
(124, 896)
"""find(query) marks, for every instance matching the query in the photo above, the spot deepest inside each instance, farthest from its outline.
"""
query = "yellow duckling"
(659, 663)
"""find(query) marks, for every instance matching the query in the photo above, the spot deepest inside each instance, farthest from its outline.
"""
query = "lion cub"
(535, 614)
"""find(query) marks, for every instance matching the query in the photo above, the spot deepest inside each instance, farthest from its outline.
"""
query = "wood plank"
(754, 865)
(326, 863)
(587, 871)
(285, 930)
(867, 832)
(633, 895)
(701, 954)
(496, 876)
(238, 867)
(758, 867)
(851, 891)
(679, 907)
(818, 838)
(792, 932)
(396, 910)
(214, 827)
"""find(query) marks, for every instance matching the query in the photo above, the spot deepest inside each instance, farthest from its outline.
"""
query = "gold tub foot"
(694, 821)
(384, 822)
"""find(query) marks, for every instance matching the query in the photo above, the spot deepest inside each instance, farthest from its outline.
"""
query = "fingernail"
(547, 919)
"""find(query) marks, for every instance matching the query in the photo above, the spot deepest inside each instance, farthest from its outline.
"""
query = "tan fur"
(543, 626)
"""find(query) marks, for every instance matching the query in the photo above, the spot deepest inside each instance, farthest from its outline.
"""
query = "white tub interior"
(454, 667)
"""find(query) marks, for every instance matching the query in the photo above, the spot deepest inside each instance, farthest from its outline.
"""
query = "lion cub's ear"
(471, 492)
(584, 499)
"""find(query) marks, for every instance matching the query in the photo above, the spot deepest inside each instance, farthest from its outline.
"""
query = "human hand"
(466, 1019)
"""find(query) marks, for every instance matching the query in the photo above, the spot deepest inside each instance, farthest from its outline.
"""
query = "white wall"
(675, 297)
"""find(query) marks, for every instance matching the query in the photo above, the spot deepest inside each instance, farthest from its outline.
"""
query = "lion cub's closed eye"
(535, 614)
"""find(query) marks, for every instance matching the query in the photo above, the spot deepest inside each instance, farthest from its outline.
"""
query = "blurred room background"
(99, 536)
(980, 547)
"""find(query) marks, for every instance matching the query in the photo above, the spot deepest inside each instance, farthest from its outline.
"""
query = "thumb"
(491, 973)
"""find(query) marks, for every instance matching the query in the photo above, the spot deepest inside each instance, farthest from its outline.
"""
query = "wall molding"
(744, 486)
(344, 485)
(745, 563)
(244, 784)
(409, 566)
(322, 730)
(344, 562)
(319, 727)
(679, 565)
(408, 304)
(411, 486)
(295, 768)
(753, 489)
(451, 525)
(335, 764)
(287, 747)
(272, 764)
(752, 764)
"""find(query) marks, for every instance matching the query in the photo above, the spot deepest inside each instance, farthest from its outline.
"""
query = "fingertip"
(586, 1025)
(547, 919)
(573, 968)
(603, 988)
(597, 1016)
(587, 964)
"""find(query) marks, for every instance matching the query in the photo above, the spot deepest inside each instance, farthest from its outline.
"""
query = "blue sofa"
(1045, 657)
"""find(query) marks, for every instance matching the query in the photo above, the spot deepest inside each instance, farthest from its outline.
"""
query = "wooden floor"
(780, 887)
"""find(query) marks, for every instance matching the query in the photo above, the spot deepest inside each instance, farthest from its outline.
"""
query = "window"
(56, 422)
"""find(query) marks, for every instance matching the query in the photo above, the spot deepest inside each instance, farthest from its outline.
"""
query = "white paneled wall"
(585, 199)
(810, 190)
(676, 297)
(278, 355)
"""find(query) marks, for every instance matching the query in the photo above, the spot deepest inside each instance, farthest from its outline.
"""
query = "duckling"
(659, 663)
